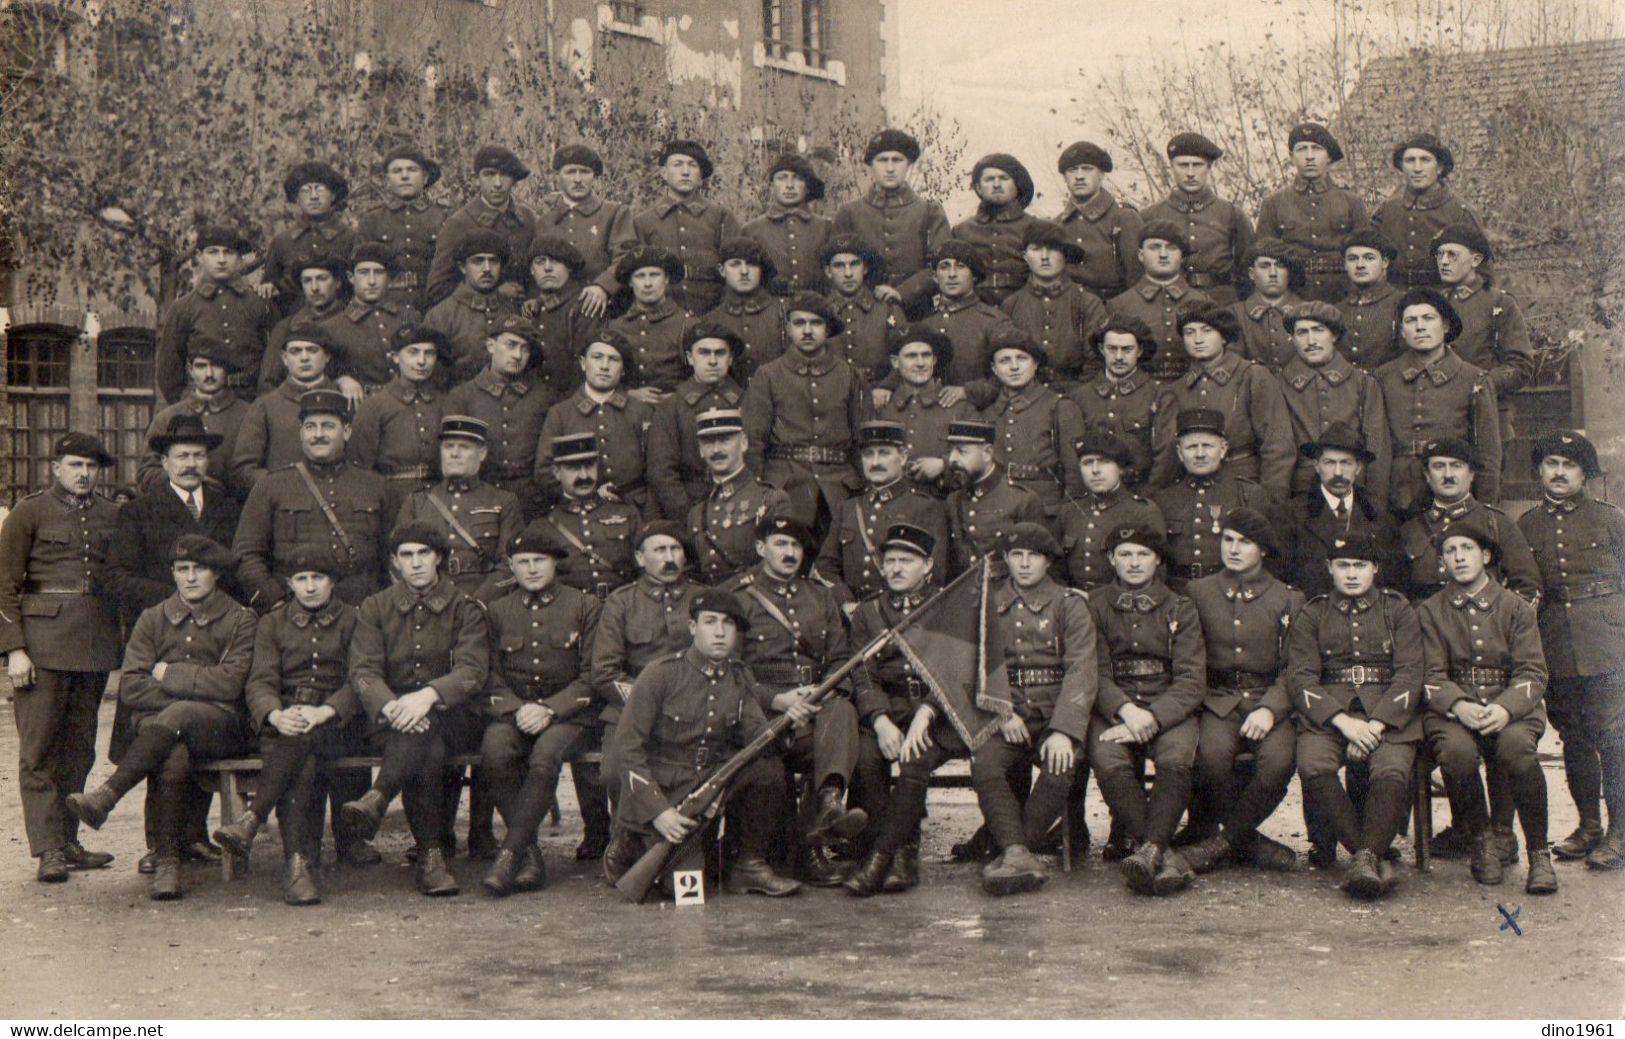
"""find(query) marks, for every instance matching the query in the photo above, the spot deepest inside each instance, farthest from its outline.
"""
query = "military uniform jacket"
(1514, 565)
(397, 429)
(656, 334)
(51, 546)
(1036, 429)
(566, 333)
(865, 341)
(1192, 507)
(1448, 398)
(1314, 215)
(1263, 338)
(229, 312)
(269, 436)
(1086, 519)
(1108, 232)
(1312, 527)
(678, 476)
(925, 422)
(137, 572)
(605, 530)
(796, 402)
(621, 424)
(904, 228)
(281, 515)
(684, 710)
(792, 239)
(1141, 624)
(1158, 304)
(1376, 630)
(1245, 624)
(1410, 220)
(302, 656)
(516, 222)
(997, 234)
(693, 230)
(222, 416)
(1371, 313)
(1494, 337)
(1060, 318)
(759, 319)
(208, 648)
(539, 652)
(640, 623)
(1464, 635)
(1579, 545)
(979, 514)
(304, 242)
(600, 230)
(1219, 235)
(886, 683)
(970, 325)
(1256, 420)
(406, 640)
(468, 319)
(1127, 407)
(362, 333)
(783, 657)
(851, 551)
(722, 525)
(271, 369)
(1047, 628)
(410, 227)
(516, 411)
(1336, 391)
(490, 515)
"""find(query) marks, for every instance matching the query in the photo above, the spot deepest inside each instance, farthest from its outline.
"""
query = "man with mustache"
(1335, 508)
(723, 524)
(850, 555)
(1217, 231)
(473, 312)
(209, 397)
(677, 466)
(1122, 398)
(597, 533)
(492, 210)
(1004, 190)
(476, 519)
(986, 502)
(408, 221)
(1451, 469)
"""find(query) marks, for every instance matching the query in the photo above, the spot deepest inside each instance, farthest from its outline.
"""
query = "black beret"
(1194, 144)
(306, 331)
(1472, 526)
(662, 528)
(1097, 440)
(524, 328)
(83, 445)
(578, 155)
(1008, 337)
(1356, 544)
(744, 247)
(1221, 319)
(226, 237)
(792, 163)
(767, 526)
(324, 402)
(496, 157)
(892, 141)
(375, 252)
(195, 548)
(558, 248)
(964, 252)
(1314, 310)
(316, 173)
(813, 303)
(1450, 447)
(1085, 153)
(1370, 238)
(1011, 166)
(940, 344)
(408, 335)
(1145, 537)
(481, 242)
(1569, 444)
(337, 266)
(707, 329)
(692, 149)
(412, 153)
(541, 539)
(1033, 537)
(1428, 143)
(1124, 325)
(1423, 296)
(417, 534)
(1280, 252)
(304, 558)
(1200, 420)
(202, 344)
(909, 538)
(1167, 231)
(1464, 235)
(1254, 526)
(1314, 133)
(614, 338)
(1338, 436)
(715, 600)
(648, 256)
(1052, 235)
(849, 243)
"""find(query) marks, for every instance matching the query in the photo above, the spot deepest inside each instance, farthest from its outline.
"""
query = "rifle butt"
(635, 883)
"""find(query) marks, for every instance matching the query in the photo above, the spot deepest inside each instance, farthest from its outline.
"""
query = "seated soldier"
(662, 746)
(1193, 503)
(1451, 470)
(183, 676)
(1122, 399)
(421, 653)
(986, 502)
(1486, 691)
(539, 704)
(1246, 614)
(476, 519)
(1354, 671)
(917, 403)
(1057, 313)
(301, 703)
(1085, 520)
(748, 309)
(394, 429)
(677, 475)
(723, 523)
(1151, 684)
(1035, 426)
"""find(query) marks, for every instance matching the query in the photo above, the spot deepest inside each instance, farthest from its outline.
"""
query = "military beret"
(1356, 544)
(1102, 442)
(1280, 252)
(616, 340)
(1051, 235)
(410, 335)
(1200, 420)
(316, 173)
(1032, 537)
(1450, 447)
(813, 303)
(1370, 238)
(662, 528)
(1569, 444)
(853, 245)
(892, 141)
(557, 248)
(1472, 526)
(465, 426)
(1008, 337)
(801, 167)
(1314, 133)
(195, 548)
(1012, 167)
(743, 247)
(964, 252)
(210, 235)
(692, 149)
(1124, 325)
(715, 600)
(375, 252)
(704, 329)
(578, 155)
(1194, 144)
(496, 157)
(1338, 436)
(305, 331)
(971, 431)
(767, 526)
(324, 402)
(83, 445)
(1254, 526)
(524, 328)
(337, 266)
(1314, 310)
(649, 256)
(1085, 153)
(880, 433)
(940, 344)
(719, 422)
(412, 153)
(1429, 143)
(1423, 296)
(573, 447)
(183, 428)
(480, 242)
(538, 539)
(1165, 231)
(1221, 319)
(909, 538)
(306, 558)
(202, 344)
(417, 534)
(1464, 235)
(1145, 537)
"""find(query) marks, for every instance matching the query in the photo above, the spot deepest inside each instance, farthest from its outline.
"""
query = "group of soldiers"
(587, 484)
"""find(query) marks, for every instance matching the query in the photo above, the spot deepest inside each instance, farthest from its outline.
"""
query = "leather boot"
(904, 874)
(532, 875)
(238, 835)
(166, 879)
(979, 848)
(1272, 855)
(1119, 846)
(1578, 844)
(1506, 845)
(53, 867)
(1363, 879)
(147, 863)
(298, 885)
(201, 851)
(93, 806)
(751, 875)
(433, 879)
(1609, 854)
(818, 869)
(1487, 867)
(592, 846)
(499, 879)
(870, 876)
(621, 855)
(357, 853)
(1207, 855)
(1175, 874)
(1141, 868)
(1452, 842)
(359, 819)
(1542, 878)
(833, 818)
(1015, 872)
(79, 858)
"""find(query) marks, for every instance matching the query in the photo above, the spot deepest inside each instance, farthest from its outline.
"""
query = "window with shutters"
(37, 359)
(124, 397)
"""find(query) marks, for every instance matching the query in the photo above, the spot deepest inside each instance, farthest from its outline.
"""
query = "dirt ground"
(1237, 945)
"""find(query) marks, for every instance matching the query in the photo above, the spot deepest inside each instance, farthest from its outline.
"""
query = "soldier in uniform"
(60, 641)
(559, 310)
(1494, 334)
(1354, 672)
(395, 429)
(854, 271)
(269, 436)
(476, 519)
(1122, 399)
(903, 227)
(600, 230)
(1275, 271)
(656, 322)
(408, 221)
(997, 230)
(1370, 308)
(1104, 505)
(677, 467)
(539, 705)
(599, 533)
(1486, 687)
(218, 309)
(722, 524)
(795, 637)
(217, 407)
(324, 280)
(1452, 465)
(1429, 392)
(918, 355)
(1054, 311)
(1106, 228)
(183, 676)
(790, 233)
(510, 397)
(748, 308)
(1579, 544)
(1336, 508)
(1035, 426)
(1158, 297)
(1217, 231)
(1246, 614)
(1314, 213)
(474, 311)
(687, 226)
(363, 331)
(968, 321)
(420, 655)
(1194, 504)
(985, 502)
(851, 555)
(1421, 208)
(1151, 687)
(1322, 387)
(690, 710)
(320, 229)
(492, 210)
(619, 419)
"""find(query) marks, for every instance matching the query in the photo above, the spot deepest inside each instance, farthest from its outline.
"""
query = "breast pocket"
(364, 521)
(486, 526)
(292, 522)
(645, 631)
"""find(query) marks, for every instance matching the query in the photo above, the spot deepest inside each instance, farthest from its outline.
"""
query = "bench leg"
(232, 805)
(1422, 827)
(1066, 840)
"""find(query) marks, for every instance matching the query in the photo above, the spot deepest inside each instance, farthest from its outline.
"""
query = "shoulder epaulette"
(1318, 598)
(1391, 594)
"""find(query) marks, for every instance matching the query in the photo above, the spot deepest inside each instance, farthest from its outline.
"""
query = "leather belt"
(910, 688)
(706, 755)
(1200, 279)
(796, 674)
(304, 696)
(408, 472)
(1239, 681)
(812, 454)
(1029, 677)
(1481, 676)
(241, 380)
(1192, 571)
(998, 280)
(1138, 667)
(1359, 674)
(57, 587)
(1030, 472)
(456, 566)
(1581, 590)
(696, 272)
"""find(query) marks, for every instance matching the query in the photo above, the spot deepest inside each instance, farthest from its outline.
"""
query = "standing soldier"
(558, 310)
(1105, 504)
(722, 523)
(986, 502)
(791, 235)
(1056, 312)
(918, 355)
(1486, 686)
(1336, 508)
(1036, 426)
(1275, 271)
(602, 406)
(1217, 232)
(1122, 399)
(1159, 296)
(959, 313)
(1004, 190)
(395, 428)
(493, 210)
(217, 407)
(1579, 543)
(510, 397)
(684, 224)
(476, 519)
(1194, 504)
(60, 641)
(269, 436)
(1314, 213)
(1246, 615)
(1322, 387)
(1371, 306)
(362, 331)
(324, 280)
(407, 221)
(320, 229)
(599, 532)
(218, 309)
(902, 226)
(748, 309)
(1421, 208)
(1494, 335)
(853, 271)
(1104, 227)
(1451, 465)
(656, 322)
(1354, 671)
(598, 229)
(850, 555)
(677, 468)
(472, 311)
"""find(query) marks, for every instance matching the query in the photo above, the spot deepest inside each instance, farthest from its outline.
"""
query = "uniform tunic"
(904, 228)
(1192, 507)
(1050, 652)
(1579, 545)
(1245, 622)
(137, 573)
(363, 332)
(223, 416)
(792, 239)
(411, 227)
(1448, 398)
(1035, 430)
(490, 515)
(1060, 318)
(1086, 519)
(281, 515)
(1315, 215)
(621, 424)
(979, 515)
(396, 432)
(1263, 337)
(269, 435)
(1108, 232)
(305, 242)
(271, 369)
(759, 319)
(1125, 407)
(693, 230)
(302, 657)
(566, 334)
(1149, 623)
(851, 552)
(870, 324)
(677, 475)
(208, 648)
(468, 318)
(1158, 304)
(970, 325)
(801, 417)
(600, 230)
(1376, 630)
(886, 683)
(925, 422)
(1491, 630)
(1336, 392)
(406, 640)
(656, 334)
(1257, 424)
(997, 235)
(782, 658)
(1409, 221)
(1514, 565)
(722, 525)
(605, 530)
(515, 412)
(640, 623)
(51, 546)
(539, 643)
(1219, 235)
(515, 221)
(1372, 315)
(229, 312)
(1494, 337)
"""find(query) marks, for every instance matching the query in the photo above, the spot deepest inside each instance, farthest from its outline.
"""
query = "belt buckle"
(1357, 675)
(601, 590)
